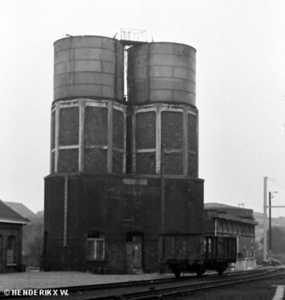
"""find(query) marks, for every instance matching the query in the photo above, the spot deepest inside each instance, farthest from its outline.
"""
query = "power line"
(277, 182)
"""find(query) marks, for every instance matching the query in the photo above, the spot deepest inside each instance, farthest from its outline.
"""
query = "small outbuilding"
(11, 234)
(226, 220)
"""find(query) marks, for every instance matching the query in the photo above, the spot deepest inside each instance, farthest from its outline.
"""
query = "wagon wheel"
(177, 273)
(199, 271)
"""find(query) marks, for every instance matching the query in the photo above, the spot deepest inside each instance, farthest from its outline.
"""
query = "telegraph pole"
(162, 196)
(265, 220)
(270, 219)
(162, 190)
(270, 249)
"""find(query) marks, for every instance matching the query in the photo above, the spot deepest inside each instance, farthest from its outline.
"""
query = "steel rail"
(114, 285)
(179, 291)
(122, 284)
(144, 282)
(151, 284)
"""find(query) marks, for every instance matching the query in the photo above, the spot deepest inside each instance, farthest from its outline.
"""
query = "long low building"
(226, 220)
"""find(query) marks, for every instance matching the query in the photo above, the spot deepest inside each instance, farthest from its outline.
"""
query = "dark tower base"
(110, 223)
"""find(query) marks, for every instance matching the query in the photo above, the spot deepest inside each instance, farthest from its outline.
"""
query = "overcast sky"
(240, 87)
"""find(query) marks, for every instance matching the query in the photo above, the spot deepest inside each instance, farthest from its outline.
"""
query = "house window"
(11, 250)
(95, 246)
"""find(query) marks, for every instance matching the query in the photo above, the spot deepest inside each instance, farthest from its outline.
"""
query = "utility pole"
(270, 227)
(162, 189)
(265, 220)
(162, 196)
(270, 249)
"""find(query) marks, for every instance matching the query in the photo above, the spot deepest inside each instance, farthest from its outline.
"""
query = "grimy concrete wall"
(115, 205)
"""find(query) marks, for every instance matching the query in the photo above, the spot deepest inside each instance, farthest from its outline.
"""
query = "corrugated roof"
(218, 205)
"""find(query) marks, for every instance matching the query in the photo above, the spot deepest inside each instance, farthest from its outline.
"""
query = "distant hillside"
(40, 214)
(278, 222)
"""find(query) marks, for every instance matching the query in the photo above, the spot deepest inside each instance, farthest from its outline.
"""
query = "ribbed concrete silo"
(88, 112)
(163, 113)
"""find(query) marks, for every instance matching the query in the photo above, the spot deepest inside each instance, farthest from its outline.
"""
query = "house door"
(134, 253)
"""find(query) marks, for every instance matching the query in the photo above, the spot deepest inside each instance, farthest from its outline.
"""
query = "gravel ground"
(260, 290)
(62, 279)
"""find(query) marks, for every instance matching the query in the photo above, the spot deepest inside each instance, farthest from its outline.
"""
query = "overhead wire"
(278, 182)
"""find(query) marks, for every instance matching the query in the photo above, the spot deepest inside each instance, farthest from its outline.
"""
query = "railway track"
(162, 288)
(115, 285)
(124, 284)
(185, 289)
(150, 282)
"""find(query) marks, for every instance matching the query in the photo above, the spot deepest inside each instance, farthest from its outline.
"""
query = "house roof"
(215, 205)
(22, 210)
(8, 215)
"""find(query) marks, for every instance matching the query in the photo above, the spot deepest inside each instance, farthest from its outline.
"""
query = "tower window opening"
(95, 246)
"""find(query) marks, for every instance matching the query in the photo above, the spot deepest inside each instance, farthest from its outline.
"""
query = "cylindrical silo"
(88, 112)
(163, 114)
(88, 67)
(161, 72)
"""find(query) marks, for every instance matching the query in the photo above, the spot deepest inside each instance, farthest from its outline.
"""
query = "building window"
(226, 227)
(230, 227)
(95, 246)
(11, 250)
(239, 228)
(221, 226)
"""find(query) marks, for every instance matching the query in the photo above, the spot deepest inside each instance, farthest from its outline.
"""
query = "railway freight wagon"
(196, 252)
(219, 252)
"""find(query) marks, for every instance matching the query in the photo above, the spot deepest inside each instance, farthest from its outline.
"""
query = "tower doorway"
(134, 255)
